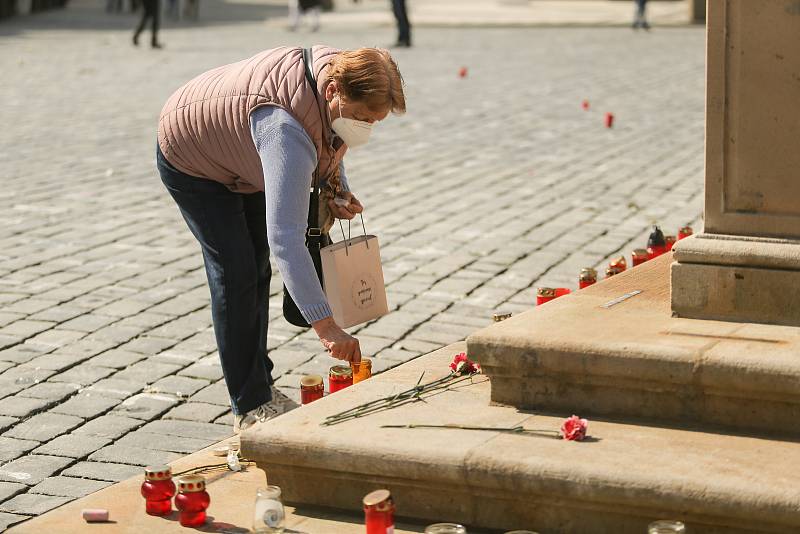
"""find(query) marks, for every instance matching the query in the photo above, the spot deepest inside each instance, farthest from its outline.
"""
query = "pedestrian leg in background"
(403, 26)
(294, 14)
(151, 8)
(640, 19)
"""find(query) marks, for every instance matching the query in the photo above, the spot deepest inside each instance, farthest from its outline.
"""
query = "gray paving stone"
(23, 352)
(207, 369)
(11, 449)
(72, 445)
(56, 338)
(110, 426)
(180, 386)
(25, 376)
(161, 442)
(7, 422)
(7, 520)
(148, 345)
(118, 359)
(26, 328)
(145, 406)
(51, 391)
(32, 469)
(147, 371)
(116, 388)
(18, 406)
(189, 429)
(88, 322)
(31, 504)
(62, 486)
(197, 411)
(131, 456)
(55, 361)
(9, 489)
(85, 405)
(216, 393)
(43, 427)
(103, 471)
(83, 374)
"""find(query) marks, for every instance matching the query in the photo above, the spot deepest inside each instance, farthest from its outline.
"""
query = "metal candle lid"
(157, 472)
(380, 499)
(191, 484)
(686, 230)
(311, 381)
(545, 292)
(619, 262)
(341, 371)
(588, 273)
(501, 316)
(639, 253)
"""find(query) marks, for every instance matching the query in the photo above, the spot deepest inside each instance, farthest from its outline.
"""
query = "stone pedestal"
(746, 264)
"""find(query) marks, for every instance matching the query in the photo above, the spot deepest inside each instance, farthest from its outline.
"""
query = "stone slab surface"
(633, 359)
(231, 510)
(620, 479)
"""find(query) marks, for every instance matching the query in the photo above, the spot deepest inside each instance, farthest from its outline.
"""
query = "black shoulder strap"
(313, 232)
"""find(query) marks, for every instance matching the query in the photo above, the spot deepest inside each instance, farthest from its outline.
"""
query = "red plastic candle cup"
(379, 512)
(192, 500)
(585, 105)
(612, 271)
(670, 241)
(639, 256)
(158, 489)
(587, 278)
(609, 120)
(685, 232)
(619, 263)
(339, 377)
(311, 388)
(561, 291)
(462, 72)
(544, 294)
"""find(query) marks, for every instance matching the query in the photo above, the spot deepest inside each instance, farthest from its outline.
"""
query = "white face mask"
(354, 133)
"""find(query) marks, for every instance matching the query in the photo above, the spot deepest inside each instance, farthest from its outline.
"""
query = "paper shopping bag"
(353, 276)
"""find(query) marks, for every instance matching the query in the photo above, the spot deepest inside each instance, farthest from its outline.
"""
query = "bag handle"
(347, 239)
(314, 232)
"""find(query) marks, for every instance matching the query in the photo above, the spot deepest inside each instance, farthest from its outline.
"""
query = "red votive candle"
(639, 256)
(379, 512)
(311, 388)
(588, 277)
(192, 500)
(158, 489)
(656, 244)
(609, 120)
(339, 377)
(685, 232)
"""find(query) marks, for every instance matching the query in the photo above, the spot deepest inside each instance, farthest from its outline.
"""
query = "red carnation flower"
(461, 365)
(574, 428)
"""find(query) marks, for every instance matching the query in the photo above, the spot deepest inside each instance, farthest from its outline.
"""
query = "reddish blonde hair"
(369, 76)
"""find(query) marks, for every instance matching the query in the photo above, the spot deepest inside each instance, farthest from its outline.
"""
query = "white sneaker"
(279, 404)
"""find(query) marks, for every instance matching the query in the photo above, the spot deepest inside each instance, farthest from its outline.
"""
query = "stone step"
(618, 480)
(633, 360)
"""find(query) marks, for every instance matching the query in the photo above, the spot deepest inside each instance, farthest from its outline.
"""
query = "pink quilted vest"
(204, 128)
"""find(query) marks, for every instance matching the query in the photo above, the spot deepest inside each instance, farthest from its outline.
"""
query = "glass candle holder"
(269, 512)
(311, 388)
(158, 490)
(445, 528)
(666, 526)
(379, 512)
(619, 262)
(192, 500)
(639, 256)
(339, 377)
(587, 277)
(612, 271)
(361, 371)
(670, 241)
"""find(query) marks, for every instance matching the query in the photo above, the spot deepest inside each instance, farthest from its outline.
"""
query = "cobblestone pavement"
(490, 186)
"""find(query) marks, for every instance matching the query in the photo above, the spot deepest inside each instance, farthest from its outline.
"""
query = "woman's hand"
(346, 210)
(339, 343)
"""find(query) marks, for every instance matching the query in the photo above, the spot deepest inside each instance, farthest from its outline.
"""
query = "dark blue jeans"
(403, 26)
(232, 231)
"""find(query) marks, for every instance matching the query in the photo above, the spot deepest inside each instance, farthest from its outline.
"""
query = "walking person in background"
(151, 11)
(640, 19)
(403, 26)
(298, 7)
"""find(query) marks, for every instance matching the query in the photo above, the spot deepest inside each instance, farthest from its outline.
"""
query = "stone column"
(697, 11)
(745, 266)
